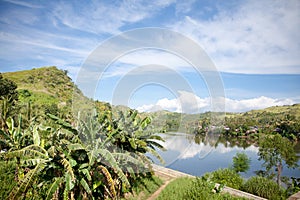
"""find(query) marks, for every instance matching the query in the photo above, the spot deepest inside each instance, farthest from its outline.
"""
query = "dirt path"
(167, 175)
(155, 194)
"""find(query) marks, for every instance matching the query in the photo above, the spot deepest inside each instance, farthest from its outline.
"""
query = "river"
(196, 156)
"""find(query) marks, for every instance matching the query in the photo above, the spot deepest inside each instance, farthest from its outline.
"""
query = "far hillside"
(46, 89)
(51, 90)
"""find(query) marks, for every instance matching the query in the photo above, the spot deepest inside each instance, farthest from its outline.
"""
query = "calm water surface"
(197, 156)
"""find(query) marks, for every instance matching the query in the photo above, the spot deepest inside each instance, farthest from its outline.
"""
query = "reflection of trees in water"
(214, 139)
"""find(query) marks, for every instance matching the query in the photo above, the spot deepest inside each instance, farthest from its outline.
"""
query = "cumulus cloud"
(188, 102)
(253, 37)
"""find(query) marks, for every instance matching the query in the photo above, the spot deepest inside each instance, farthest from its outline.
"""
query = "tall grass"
(193, 188)
(264, 187)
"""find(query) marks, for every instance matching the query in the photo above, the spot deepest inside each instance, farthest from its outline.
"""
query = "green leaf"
(132, 143)
(36, 136)
(145, 122)
(112, 162)
(53, 188)
(76, 146)
(85, 186)
(31, 151)
(72, 162)
(87, 174)
(69, 181)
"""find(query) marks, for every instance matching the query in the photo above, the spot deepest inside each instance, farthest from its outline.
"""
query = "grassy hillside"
(278, 110)
(46, 85)
(47, 89)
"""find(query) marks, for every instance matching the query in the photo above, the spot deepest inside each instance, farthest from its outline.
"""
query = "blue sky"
(254, 45)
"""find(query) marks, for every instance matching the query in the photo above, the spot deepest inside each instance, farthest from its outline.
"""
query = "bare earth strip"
(155, 194)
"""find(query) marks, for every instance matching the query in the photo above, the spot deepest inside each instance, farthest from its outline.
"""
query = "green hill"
(46, 89)
(46, 85)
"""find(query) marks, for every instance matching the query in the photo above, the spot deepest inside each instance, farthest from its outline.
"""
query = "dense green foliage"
(65, 161)
(50, 154)
(264, 187)
(241, 162)
(7, 175)
(227, 177)
(8, 98)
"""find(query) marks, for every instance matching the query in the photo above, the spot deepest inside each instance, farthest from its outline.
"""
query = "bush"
(241, 162)
(227, 177)
(200, 189)
(264, 187)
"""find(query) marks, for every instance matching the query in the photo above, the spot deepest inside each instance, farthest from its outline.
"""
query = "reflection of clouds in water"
(222, 149)
(188, 149)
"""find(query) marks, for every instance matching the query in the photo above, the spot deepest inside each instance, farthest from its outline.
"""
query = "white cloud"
(255, 103)
(256, 37)
(100, 17)
(23, 3)
(190, 103)
(146, 57)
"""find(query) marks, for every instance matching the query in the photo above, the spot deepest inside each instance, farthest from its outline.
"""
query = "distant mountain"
(51, 88)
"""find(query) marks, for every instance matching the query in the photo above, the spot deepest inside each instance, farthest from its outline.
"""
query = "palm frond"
(110, 160)
(85, 185)
(63, 123)
(76, 146)
(154, 153)
(108, 180)
(128, 159)
(24, 183)
(29, 151)
(68, 167)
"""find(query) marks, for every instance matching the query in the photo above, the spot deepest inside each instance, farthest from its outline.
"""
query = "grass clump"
(226, 177)
(176, 189)
(264, 187)
(193, 188)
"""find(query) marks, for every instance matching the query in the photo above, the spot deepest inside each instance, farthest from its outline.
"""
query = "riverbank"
(170, 175)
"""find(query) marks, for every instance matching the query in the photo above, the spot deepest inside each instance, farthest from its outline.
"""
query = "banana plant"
(132, 134)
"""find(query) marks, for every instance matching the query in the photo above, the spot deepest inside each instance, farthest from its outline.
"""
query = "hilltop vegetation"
(45, 81)
(284, 120)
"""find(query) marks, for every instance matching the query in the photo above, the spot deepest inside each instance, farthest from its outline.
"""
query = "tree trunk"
(279, 170)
